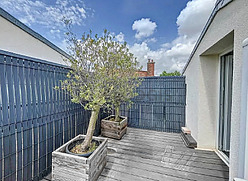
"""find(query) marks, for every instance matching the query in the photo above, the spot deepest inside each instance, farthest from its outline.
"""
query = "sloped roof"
(28, 30)
(218, 5)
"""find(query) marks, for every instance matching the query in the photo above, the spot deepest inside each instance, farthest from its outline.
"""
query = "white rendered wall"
(202, 111)
(246, 153)
(15, 40)
(192, 97)
(243, 152)
(208, 100)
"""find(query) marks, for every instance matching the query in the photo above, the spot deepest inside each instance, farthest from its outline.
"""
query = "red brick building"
(150, 70)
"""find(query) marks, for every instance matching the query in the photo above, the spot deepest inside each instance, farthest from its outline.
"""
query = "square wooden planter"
(113, 129)
(72, 167)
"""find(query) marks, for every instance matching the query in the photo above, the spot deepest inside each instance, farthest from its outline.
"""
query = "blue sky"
(163, 30)
(119, 16)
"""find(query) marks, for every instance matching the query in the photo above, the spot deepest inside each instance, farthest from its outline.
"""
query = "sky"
(162, 30)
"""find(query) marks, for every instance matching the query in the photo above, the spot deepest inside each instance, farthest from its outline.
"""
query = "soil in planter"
(77, 148)
(118, 120)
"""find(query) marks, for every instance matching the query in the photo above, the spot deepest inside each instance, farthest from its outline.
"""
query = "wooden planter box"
(72, 167)
(113, 129)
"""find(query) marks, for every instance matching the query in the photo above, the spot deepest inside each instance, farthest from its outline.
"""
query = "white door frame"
(243, 145)
(224, 158)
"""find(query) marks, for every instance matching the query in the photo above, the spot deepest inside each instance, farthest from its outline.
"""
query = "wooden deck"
(151, 155)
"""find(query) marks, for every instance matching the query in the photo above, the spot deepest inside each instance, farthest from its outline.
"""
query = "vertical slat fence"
(35, 119)
(160, 104)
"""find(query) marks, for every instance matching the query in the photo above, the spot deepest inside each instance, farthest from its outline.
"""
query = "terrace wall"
(35, 119)
(160, 104)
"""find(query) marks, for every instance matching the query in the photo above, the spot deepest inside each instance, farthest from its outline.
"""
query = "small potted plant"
(89, 83)
(125, 80)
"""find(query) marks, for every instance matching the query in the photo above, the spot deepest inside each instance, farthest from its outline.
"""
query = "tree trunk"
(117, 113)
(91, 129)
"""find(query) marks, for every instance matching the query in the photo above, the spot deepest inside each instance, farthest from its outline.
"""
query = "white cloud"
(54, 31)
(141, 51)
(151, 40)
(49, 16)
(165, 59)
(173, 55)
(193, 18)
(120, 37)
(144, 28)
(63, 45)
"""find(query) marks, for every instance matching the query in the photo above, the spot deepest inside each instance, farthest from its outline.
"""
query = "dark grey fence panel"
(1, 149)
(160, 104)
(35, 119)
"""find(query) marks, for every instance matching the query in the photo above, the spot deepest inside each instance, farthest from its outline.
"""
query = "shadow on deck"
(151, 155)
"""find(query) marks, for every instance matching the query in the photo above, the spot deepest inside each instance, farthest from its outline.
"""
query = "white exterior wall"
(15, 40)
(202, 111)
(243, 152)
(208, 101)
(192, 95)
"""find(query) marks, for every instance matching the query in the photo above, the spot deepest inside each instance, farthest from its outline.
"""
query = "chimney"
(150, 68)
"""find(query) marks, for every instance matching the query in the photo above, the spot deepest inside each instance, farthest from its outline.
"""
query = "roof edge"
(219, 5)
(28, 58)
(31, 32)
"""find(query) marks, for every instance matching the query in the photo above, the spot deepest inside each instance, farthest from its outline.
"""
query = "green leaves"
(103, 71)
(176, 73)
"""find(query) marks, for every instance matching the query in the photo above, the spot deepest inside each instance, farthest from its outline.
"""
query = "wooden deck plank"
(167, 168)
(162, 156)
(135, 172)
(154, 138)
(153, 141)
(160, 151)
(103, 178)
(117, 174)
(149, 137)
(158, 173)
(173, 154)
(171, 137)
(222, 168)
(147, 144)
(154, 134)
(154, 146)
(145, 155)
(145, 131)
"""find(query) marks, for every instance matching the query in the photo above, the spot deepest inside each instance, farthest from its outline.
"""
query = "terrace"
(40, 119)
(152, 155)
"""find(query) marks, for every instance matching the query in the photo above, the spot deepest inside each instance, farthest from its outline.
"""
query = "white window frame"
(222, 156)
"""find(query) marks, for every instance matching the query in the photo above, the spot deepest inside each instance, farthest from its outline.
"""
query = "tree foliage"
(176, 73)
(103, 75)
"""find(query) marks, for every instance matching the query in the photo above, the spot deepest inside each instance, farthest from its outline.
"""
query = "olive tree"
(125, 82)
(103, 72)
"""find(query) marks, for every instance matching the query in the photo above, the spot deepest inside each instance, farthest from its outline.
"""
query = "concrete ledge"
(185, 130)
(239, 179)
(188, 140)
(245, 42)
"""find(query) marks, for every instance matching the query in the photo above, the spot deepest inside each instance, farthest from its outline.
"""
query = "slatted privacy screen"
(160, 104)
(35, 119)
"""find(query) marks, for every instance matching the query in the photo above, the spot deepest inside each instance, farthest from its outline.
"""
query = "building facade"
(15, 37)
(216, 86)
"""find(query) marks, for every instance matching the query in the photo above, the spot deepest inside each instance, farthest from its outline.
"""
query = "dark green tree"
(176, 73)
